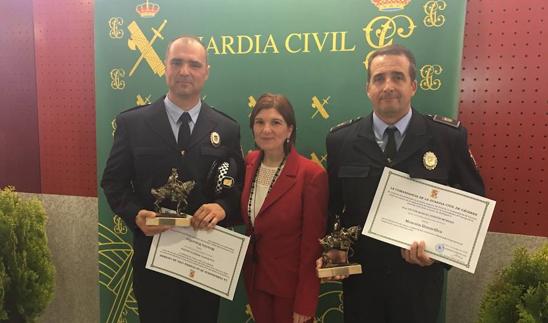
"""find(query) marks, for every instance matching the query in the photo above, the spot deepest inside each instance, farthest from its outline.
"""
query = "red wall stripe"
(66, 96)
(504, 104)
(19, 147)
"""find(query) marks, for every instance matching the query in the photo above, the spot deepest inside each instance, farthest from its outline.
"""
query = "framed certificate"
(211, 260)
(451, 222)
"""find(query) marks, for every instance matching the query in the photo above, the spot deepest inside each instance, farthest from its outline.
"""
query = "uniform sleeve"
(117, 177)
(336, 202)
(231, 201)
(466, 175)
(313, 228)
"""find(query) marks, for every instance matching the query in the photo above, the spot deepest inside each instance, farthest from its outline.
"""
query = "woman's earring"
(287, 141)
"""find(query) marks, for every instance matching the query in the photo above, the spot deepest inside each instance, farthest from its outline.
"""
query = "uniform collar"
(174, 112)
(380, 126)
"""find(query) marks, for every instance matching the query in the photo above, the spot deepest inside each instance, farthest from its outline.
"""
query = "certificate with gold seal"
(211, 260)
(452, 223)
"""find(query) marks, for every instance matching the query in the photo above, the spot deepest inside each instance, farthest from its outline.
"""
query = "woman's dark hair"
(284, 108)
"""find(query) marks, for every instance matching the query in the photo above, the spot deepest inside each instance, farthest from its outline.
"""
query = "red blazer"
(288, 226)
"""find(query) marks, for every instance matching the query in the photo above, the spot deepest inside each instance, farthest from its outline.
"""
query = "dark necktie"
(390, 149)
(184, 131)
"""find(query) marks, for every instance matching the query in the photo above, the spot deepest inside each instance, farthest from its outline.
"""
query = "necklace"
(251, 200)
(254, 183)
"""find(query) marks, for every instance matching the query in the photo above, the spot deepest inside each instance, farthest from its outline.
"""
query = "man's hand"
(415, 255)
(149, 230)
(207, 216)
(337, 257)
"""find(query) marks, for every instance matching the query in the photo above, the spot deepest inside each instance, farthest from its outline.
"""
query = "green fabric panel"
(312, 51)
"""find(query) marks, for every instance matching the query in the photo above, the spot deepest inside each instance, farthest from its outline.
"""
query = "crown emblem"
(390, 5)
(147, 9)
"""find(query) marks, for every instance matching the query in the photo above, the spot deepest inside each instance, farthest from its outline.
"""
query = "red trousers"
(268, 308)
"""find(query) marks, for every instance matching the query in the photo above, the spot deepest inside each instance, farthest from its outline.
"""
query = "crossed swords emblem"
(318, 159)
(320, 107)
(138, 41)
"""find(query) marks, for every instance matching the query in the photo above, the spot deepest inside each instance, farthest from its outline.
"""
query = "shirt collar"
(380, 126)
(174, 112)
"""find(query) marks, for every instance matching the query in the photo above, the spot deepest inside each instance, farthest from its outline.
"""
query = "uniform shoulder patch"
(344, 124)
(445, 120)
(222, 113)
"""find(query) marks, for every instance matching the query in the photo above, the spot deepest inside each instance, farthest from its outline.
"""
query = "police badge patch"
(215, 139)
(430, 160)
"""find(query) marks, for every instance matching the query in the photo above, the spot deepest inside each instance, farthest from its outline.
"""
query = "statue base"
(169, 217)
(163, 220)
(339, 270)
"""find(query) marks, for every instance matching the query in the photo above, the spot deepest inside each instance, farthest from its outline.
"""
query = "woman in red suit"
(284, 206)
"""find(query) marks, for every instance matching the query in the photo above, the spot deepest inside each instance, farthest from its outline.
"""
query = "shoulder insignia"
(134, 108)
(344, 124)
(473, 159)
(222, 113)
(445, 120)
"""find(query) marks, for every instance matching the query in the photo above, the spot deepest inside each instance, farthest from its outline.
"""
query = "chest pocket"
(209, 156)
(214, 153)
(357, 184)
(353, 171)
(439, 174)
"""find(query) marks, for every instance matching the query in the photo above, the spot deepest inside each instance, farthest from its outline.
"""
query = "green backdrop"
(312, 51)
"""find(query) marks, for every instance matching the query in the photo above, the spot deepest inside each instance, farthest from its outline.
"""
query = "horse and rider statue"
(175, 190)
(339, 239)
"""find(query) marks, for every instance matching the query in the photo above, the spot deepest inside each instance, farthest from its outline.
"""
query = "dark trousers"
(163, 299)
(168, 300)
(410, 294)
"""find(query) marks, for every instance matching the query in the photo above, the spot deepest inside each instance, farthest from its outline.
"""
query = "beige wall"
(72, 237)
(465, 290)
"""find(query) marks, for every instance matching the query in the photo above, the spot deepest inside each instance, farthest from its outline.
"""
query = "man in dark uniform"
(177, 131)
(398, 285)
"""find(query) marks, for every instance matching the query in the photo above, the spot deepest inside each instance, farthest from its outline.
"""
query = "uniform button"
(182, 152)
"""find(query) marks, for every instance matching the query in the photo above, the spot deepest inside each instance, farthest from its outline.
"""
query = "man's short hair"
(394, 50)
(190, 38)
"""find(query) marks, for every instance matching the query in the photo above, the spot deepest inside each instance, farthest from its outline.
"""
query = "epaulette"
(134, 108)
(445, 120)
(222, 113)
(344, 124)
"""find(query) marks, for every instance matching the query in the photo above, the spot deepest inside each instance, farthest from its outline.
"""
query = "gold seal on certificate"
(340, 239)
(174, 191)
